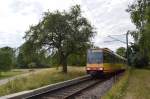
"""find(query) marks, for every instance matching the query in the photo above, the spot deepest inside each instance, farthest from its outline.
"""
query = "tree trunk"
(63, 62)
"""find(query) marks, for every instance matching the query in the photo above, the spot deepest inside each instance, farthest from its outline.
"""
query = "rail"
(46, 89)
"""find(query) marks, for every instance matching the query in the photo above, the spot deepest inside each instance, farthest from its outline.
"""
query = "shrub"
(32, 65)
(5, 61)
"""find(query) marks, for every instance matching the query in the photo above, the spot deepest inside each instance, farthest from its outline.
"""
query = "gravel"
(98, 90)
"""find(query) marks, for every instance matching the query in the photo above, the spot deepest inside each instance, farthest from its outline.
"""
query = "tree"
(135, 56)
(77, 59)
(29, 56)
(11, 51)
(26, 54)
(140, 16)
(121, 51)
(20, 61)
(65, 32)
(6, 59)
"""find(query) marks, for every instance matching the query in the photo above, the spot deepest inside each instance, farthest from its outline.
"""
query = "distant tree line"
(26, 57)
(7, 58)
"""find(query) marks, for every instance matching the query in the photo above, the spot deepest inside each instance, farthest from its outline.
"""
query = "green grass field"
(11, 73)
(139, 85)
(40, 79)
(135, 84)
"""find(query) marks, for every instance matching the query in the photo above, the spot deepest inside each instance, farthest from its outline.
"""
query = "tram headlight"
(88, 68)
(101, 68)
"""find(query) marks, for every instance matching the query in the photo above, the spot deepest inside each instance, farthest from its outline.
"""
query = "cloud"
(108, 16)
(17, 15)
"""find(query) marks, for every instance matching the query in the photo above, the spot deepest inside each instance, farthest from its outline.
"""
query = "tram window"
(117, 59)
(107, 58)
(94, 57)
(111, 58)
(121, 61)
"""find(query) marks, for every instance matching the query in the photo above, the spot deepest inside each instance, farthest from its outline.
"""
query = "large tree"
(140, 16)
(65, 32)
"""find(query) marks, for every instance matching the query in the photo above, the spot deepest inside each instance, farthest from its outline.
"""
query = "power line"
(116, 39)
(110, 41)
(119, 34)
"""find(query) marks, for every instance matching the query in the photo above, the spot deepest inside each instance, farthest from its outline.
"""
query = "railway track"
(63, 90)
(67, 92)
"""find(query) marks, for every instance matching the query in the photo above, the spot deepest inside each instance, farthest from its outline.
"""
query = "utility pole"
(127, 47)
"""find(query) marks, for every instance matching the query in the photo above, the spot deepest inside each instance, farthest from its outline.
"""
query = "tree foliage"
(6, 58)
(29, 57)
(121, 51)
(65, 32)
(140, 16)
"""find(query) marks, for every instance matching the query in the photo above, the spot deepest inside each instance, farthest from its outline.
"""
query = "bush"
(139, 60)
(5, 61)
(32, 65)
(77, 60)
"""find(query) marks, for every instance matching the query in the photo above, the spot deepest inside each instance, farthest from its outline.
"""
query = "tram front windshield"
(94, 57)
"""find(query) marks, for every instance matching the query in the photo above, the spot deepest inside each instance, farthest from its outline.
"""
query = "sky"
(107, 16)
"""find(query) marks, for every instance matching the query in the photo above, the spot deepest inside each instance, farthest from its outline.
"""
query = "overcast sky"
(108, 17)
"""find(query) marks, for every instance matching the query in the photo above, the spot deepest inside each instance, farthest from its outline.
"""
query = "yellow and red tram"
(104, 61)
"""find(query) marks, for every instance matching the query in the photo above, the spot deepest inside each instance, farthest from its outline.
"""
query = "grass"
(139, 85)
(135, 84)
(40, 79)
(117, 91)
(11, 73)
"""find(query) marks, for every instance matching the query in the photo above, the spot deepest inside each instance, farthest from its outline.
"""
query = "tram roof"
(110, 51)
